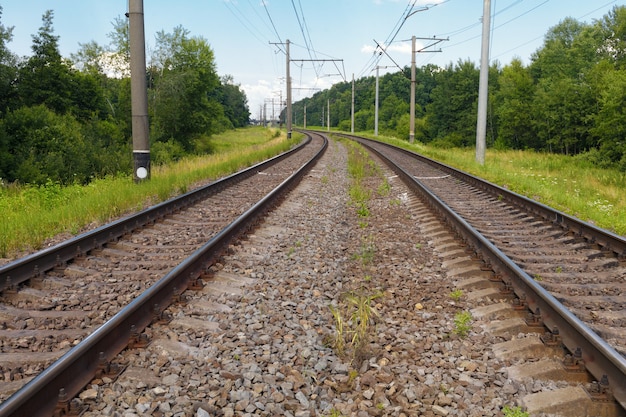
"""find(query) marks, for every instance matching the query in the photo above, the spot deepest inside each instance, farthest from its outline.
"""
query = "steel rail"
(607, 240)
(600, 358)
(18, 271)
(74, 370)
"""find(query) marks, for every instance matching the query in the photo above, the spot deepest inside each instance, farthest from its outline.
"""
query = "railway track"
(68, 310)
(567, 275)
(520, 235)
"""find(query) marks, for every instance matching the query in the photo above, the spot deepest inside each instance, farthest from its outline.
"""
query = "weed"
(514, 412)
(339, 342)
(362, 314)
(395, 202)
(335, 413)
(354, 332)
(384, 188)
(363, 210)
(456, 294)
(559, 269)
(324, 179)
(462, 323)
(363, 224)
(352, 374)
(537, 277)
(366, 251)
(418, 246)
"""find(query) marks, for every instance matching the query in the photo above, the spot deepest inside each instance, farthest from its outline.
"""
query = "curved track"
(88, 298)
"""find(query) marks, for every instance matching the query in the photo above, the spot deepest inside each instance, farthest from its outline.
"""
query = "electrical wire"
(306, 42)
(264, 3)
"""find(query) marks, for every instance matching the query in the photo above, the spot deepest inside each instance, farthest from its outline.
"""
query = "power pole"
(413, 81)
(376, 106)
(328, 115)
(288, 94)
(412, 106)
(483, 86)
(139, 92)
(352, 111)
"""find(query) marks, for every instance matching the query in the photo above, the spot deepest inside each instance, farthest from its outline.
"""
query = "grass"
(353, 322)
(456, 294)
(514, 412)
(30, 214)
(462, 323)
(570, 184)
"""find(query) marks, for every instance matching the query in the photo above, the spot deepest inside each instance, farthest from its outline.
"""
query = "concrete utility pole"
(328, 115)
(288, 121)
(483, 86)
(139, 92)
(376, 106)
(412, 106)
(434, 41)
(352, 110)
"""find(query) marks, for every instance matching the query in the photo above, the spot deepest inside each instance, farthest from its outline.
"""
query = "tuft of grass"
(462, 323)
(456, 294)
(354, 332)
(384, 188)
(367, 251)
(514, 412)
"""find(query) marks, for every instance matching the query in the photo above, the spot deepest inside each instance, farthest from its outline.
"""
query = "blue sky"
(241, 31)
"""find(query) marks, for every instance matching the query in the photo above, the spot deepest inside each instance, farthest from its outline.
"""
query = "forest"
(68, 120)
(570, 98)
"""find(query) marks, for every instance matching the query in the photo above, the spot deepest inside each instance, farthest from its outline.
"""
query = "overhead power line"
(271, 21)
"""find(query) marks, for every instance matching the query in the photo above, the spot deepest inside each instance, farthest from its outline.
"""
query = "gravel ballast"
(260, 341)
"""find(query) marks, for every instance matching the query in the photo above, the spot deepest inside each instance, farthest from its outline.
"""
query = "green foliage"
(33, 213)
(514, 412)
(568, 100)
(353, 322)
(456, 294)
(70, 121)
(462, 323)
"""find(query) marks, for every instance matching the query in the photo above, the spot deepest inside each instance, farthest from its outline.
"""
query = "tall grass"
(30, 215)
(569, 184)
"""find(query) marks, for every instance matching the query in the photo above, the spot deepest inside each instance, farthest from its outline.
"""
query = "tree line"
(68, 120)
(570, 98)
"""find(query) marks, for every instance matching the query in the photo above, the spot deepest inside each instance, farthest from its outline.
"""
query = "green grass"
(30, 214)
(569, 184)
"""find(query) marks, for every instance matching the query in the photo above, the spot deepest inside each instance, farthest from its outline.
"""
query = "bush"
(164, 152)
(45, 146)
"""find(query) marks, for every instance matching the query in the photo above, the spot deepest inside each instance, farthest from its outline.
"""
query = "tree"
(564, 99)
(48, 79)
(612, 31)
(45, 78)
(452, 111)
(235, 102)
(185, 95)
(513, 104)
(8, 69)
